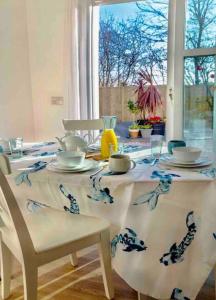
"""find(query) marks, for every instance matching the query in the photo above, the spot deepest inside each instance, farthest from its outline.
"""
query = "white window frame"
(175, 70)
(176, 56)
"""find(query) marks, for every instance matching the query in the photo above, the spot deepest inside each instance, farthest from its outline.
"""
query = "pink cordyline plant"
(148, 96)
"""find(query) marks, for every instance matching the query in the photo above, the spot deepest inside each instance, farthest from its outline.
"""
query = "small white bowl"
(71, 158)
(186, 154)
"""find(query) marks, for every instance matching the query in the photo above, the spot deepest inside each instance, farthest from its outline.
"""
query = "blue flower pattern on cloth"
(131, 148)
(146, 160)
(24, 176)
(176, 252)
(74, 207)
(43, 144)
(163, 187)
(98, 192)
(46, 153)
(210, 172)
(177, 294)
(129, 240)
(34, 206)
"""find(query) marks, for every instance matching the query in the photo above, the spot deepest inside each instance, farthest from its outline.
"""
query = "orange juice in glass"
(109, 140)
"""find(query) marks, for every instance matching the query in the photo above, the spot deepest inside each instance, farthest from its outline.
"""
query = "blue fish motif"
(43, 144)
(24, 176)
(210, 172)
(163, 187)
(44, 154)
(74, 207)
(177, 294)
(176, 252)
(214, 235)
(129, 240)
(131, 148)
(34, 206)
(99, 193)
(146, 161)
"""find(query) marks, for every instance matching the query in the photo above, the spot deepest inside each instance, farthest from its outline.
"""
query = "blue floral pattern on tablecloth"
(151, 198)
(74, 207)
(176, 252)
(39, 145)
(23, 177)
(129, 241)
(177, 294)
(210, 172)
(132, 148)
(98, 192)
(45, 153)
(34, 206)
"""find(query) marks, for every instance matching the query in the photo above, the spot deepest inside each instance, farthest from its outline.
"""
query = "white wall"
(46, 44)
(16, 112)
(31, 68)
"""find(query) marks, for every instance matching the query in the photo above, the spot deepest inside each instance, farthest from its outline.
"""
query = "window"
(173, 40)
(191, 71)
(132, 38)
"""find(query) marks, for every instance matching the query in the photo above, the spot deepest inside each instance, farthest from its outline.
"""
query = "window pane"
(132, 38)
(199, 100)
(201, 24)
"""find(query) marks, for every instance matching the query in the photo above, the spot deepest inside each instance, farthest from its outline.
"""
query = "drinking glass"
(16, 147)
(156, 146)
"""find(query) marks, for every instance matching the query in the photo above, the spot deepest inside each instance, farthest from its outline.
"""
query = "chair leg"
(6, 268)
(30, 280)
(105, 258)
(74, 259)
(141, 296)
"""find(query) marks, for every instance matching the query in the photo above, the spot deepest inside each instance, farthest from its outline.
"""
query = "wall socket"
(57, 100)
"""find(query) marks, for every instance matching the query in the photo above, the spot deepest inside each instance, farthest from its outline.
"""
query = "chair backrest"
(17, 220)
(5, 164)
(72, 125)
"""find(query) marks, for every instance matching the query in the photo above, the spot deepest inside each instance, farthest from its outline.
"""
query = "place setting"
(72, 162)
(186, 157)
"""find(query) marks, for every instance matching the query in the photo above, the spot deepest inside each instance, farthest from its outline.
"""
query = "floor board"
(60, 281)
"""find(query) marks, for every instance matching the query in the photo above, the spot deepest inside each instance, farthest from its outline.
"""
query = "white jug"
(71, 142)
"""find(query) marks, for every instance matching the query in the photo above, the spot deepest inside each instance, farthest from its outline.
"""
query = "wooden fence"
(113, 101)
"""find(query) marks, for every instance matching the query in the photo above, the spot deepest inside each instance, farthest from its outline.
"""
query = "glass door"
(199, 73)
(199, 96)
(191, 72)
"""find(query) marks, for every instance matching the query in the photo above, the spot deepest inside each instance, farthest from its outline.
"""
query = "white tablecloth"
(163, 242)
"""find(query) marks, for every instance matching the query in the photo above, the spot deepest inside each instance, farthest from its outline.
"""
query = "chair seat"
(50, 228)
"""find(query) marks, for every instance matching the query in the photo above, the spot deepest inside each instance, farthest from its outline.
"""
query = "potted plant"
(146, 131)
(134, 131)
(148, 97)
(133, 109)
(158, 125)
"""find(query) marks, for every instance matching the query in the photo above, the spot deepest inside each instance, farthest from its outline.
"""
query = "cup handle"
(133, 165)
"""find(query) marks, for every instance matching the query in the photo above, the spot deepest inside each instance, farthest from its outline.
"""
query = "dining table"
(163, 220)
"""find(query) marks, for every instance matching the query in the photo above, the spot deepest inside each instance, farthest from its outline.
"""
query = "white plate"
(88, 165)
(202, 163)
(175, 161)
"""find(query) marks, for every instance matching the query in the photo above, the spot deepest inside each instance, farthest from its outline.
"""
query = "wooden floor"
(60, 281)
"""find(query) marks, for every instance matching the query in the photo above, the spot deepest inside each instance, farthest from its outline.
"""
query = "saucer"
(86, 166)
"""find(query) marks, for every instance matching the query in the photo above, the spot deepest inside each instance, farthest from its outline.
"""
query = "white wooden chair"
(73, 125)
(90, 128)
(46, 236)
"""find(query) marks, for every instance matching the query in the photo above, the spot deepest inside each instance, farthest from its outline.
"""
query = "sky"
(122, 11)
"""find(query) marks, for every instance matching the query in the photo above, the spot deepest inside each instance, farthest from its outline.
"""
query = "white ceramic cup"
(71, 158)
(120, 163)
